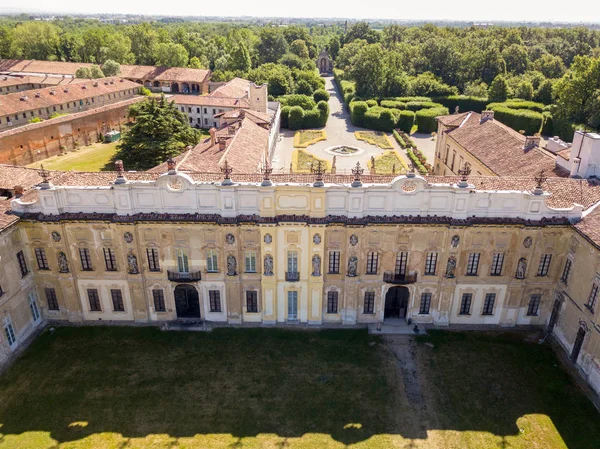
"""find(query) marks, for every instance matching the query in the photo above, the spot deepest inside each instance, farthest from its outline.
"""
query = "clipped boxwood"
(519, 119)
(464, 103)
(519, 104)
(358, 109)
(285, 114)
(392, 104)
(418, 105)
(371, 103)
(304, 101)
(296, 117)
(426, 119)
(548, 126)
(406, 120)
(320, 95)
(407, 99)
(400, 140)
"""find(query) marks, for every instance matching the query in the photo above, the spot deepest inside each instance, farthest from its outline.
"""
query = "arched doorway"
(175, 88)
(323, 65)
(187, 303)
(396, 302)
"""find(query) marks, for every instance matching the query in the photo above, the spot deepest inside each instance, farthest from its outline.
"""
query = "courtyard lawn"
(96, 157)
(303, 162)
(307, 137)
(389, 163)
(119, 387)
(375, 138)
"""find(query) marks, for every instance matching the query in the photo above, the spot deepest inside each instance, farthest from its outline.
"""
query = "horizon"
(512, 11)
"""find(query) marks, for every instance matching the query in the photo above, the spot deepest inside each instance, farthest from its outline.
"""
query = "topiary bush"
(392, 104)
(296, 117)
(399, 139)
(548, 126)
(464, 103)
(285, 114)
(426, 119)
(372, 103)
(407, 99)
(381, 119)
(358, 109)
(304, 101)
(406, 120)
(519, 119)
(418, 105)
(320, 95)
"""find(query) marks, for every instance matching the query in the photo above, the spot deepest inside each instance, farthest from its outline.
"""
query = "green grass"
(375, 138)
(303, 161)
(112, 387)
(95, 157)
(389, 163)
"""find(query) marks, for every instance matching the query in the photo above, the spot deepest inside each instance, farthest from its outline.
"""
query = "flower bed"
(303, 161)
(375, 138)
(389, 163)
(305, 138)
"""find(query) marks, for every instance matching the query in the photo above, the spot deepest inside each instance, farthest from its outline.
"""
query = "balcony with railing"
(399, 279)
(292, 276)
(191, 276)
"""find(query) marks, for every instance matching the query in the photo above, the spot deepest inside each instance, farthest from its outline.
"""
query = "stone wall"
(38, 141)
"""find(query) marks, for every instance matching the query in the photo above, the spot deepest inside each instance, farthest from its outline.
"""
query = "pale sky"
(477, 10)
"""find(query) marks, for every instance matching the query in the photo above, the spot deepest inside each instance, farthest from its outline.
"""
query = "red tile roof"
(17, 102)
(499, 147)
(206, 100)
(589, 227)
(236, 88)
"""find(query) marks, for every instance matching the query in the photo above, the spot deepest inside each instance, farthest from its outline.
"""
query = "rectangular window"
(465, 304)
(252, 301)
(250, 261)
(205, 110)
(22, 264)
(153, 260)
(534, 305)
(109, 259)
(369, 307)
(334, 262)
(86, 260)
(117, 300)
(401, 260)
(372, 262)
(473, 264)
(565, 274)
(197, 110)
(51, 299)
(544, 264)
(292, 261)
(425, 304)
(332, 302)
(94, 300)
(430, 263)
(9, 331)
(212, 261)
(33, 306)
(488, 304)
(182, 261)
(214, 298)
(292, 305)
(453, 160)
(40, 256)
(497, 262)
(159, 300)
(593, 298)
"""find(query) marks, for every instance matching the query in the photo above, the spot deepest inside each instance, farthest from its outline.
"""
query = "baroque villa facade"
(157, 247)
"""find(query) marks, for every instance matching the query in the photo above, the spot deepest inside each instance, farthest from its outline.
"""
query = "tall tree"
(159, 132)
(272, 45)
(111, 68)
(240, 58)
(368, 71)
(171, 55)
(498, 91)
(36, 40)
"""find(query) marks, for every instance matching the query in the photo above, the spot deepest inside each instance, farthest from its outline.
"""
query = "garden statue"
(63, 264)
(317, 239)
(268, 238)
(450, 267)
(521, 268)
(353, 240)
(268, 265)
(455, 241)
(231, 265)
(230, 239)
(316, 264)
(352, 266)
(132, 263)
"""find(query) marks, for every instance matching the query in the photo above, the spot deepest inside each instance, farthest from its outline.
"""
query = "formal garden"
(139, 387)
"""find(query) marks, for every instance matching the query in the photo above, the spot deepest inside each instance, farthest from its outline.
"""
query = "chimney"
(213, 136)
(231, 130)
(18, 191)
(38, 95)
(222, 144)
(531, 142)
(487, 115)
(24, 98)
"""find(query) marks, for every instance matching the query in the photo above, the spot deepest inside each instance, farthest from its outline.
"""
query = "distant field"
(124, 388)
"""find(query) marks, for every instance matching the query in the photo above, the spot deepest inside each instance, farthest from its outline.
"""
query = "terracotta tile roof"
(13, 104)
(70, 117)
(6, 218)
(589, 227)
(565, 154)
(453, 119)
(206, 100)
(11, 176)
(236, 88)
(179, 74)
(500, 148)
(8, 80)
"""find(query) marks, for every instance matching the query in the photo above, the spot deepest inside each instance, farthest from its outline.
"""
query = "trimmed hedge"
(285, 113)
(407, 99)
(519, 119)
(548, 126)
(519, 104)
(464, 103)
(304, 101)
(415, 160)
(372, 103)
(426, 121)
(406, 120)
(418, 105)
(295, 117)
(400, 140)
(392, 104)
(320, 95)
(380, 119)
(358, 109)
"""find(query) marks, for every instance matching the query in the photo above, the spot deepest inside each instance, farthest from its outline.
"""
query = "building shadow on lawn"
(141, 381)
